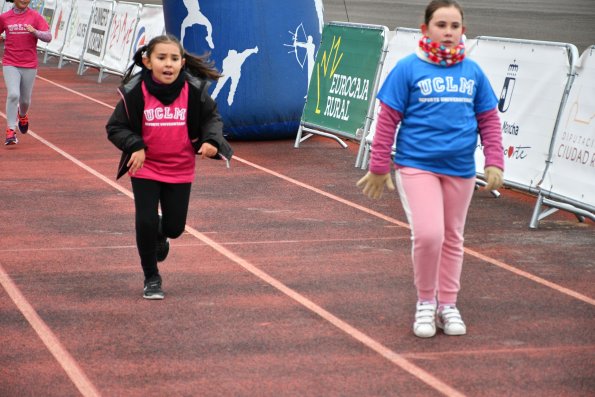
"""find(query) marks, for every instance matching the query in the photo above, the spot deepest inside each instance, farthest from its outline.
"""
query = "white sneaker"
(425, 320)
(450, 321)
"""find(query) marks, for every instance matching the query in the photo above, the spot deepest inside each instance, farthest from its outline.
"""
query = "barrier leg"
(534, 223)
(366, 158)
(298, 138)
(360, 153)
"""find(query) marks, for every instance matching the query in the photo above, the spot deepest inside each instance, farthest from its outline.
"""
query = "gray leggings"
(19, 86)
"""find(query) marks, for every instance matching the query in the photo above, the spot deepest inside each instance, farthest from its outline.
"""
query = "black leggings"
(174, 199)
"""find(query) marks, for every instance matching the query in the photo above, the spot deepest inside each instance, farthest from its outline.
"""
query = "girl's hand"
(30, 28)
(207, 150)
(137, 159)
(373, 184)
(494, 178)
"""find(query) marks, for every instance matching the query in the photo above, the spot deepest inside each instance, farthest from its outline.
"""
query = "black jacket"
(124, 128)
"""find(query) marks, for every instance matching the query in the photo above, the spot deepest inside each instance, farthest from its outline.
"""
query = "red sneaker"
(11, 137)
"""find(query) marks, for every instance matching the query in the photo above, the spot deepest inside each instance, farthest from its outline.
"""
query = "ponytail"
(137, 60)
(197, 65)
(201, 66)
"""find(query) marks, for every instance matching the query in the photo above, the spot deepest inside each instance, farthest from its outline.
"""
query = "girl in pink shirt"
(164, 119)
(22, 27)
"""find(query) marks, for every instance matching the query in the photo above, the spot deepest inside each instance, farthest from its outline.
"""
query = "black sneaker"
(162, 246)
(23, 122)
(153, 289)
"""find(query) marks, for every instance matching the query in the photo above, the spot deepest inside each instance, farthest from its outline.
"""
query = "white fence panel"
(6, 6)
(571, 173)
(47, 11)
(37, 5)
(78, 27)
(96, 37)
(150, 24)
(120, 37)
(530, 78)
(59, 27)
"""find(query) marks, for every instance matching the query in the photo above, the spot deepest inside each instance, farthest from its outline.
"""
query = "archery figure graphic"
(232, 69)
(309, 47)
(195, 17)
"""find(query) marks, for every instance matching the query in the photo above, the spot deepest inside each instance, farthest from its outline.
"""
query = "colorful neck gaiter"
(440, 55)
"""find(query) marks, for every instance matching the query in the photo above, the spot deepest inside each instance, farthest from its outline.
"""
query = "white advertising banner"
(572, 170)
(6, 6)
(529, 78)
(59, 26)
(78, 25)
(120, 36)
(48, 12)
(37, 5)
(150, 24)
(101, 17)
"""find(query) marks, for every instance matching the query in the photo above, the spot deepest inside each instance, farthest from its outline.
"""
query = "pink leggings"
(436, 206)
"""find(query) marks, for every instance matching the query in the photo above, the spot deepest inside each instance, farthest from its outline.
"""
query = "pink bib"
(169, 155)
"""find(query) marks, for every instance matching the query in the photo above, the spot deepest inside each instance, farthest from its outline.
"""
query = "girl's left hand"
(493, 177)
(207, 150)
(30, 28)
(373, 184)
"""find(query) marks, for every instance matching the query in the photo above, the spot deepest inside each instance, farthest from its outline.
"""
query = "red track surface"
(288, 281)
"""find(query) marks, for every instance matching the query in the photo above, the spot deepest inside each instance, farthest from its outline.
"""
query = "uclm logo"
(508, 87)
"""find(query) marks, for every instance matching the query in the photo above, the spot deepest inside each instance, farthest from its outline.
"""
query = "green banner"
(342, 84)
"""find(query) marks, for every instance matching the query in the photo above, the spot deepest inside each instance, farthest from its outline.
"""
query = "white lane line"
(68, 363)
(195, 244)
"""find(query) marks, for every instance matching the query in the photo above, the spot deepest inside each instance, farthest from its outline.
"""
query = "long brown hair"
(197, 65)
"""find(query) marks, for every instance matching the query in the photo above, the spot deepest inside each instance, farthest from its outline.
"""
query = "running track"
(287, 282)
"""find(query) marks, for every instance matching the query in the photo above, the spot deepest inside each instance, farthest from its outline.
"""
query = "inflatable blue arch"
(265, 50)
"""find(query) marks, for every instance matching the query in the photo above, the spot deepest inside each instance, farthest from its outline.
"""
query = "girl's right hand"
(137, 159)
